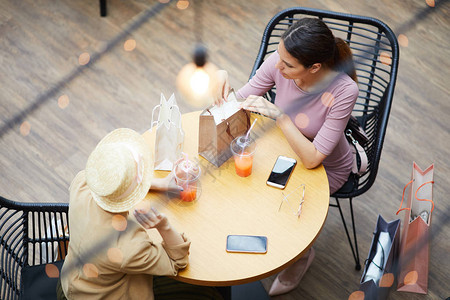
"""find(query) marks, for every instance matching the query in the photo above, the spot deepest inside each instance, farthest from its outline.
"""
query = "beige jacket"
(110, 255)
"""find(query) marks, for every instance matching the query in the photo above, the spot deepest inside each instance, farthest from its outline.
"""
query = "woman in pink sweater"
(316, 90)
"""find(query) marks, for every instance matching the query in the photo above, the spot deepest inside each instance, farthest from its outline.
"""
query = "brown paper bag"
(414, 248)
(214, 139)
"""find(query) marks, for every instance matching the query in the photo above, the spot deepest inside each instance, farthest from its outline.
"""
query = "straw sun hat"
(119, 171)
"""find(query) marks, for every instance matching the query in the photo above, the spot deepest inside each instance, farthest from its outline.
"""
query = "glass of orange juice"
(243, 149)
(187, 174)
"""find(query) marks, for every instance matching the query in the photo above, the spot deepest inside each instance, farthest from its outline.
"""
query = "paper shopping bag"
(414, 247)
(380, 269)
(218, 126)
(169, 136)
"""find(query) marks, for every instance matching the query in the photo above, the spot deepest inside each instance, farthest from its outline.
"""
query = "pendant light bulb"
(199, 81)
(196, 81)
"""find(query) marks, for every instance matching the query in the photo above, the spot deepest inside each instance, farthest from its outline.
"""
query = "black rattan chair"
(33, 241)
(376, 54)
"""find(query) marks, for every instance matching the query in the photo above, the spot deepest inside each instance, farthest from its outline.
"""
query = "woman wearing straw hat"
(111, 255)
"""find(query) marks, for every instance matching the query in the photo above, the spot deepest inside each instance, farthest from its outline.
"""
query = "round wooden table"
(229, 204)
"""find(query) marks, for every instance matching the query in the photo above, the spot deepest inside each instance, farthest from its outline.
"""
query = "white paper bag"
(169, 134)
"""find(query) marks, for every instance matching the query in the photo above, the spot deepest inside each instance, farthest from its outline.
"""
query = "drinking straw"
(248, 132)
(246, 137)
(186, 160)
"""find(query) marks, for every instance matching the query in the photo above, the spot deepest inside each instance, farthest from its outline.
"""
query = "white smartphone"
(281, 172)
(247, 243)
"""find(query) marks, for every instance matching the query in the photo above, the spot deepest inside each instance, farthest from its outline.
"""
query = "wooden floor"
(53, 111)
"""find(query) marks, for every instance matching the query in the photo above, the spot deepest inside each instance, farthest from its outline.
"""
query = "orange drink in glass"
(243, 149)
(187, 174)
(243, 164)
(189, 192)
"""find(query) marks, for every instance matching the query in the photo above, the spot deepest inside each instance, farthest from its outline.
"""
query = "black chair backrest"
(375, 53)
(30, 234)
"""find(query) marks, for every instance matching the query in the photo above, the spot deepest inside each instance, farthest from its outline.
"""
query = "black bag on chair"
(357, 139)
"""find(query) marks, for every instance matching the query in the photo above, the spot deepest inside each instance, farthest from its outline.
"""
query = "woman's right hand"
(223, 87)
(263, 106)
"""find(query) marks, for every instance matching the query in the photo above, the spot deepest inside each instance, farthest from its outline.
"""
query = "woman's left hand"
(152, 219)
(167, 183)
(261, 105)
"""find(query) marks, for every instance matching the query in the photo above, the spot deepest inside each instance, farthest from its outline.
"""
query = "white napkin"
(227, 109)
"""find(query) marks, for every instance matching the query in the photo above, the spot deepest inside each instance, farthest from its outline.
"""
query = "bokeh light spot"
(90, 270)
(182, 4)
(430, 3)
(358, 295)
(301, 120)
(387, 280)
(51, 270)
(327, 99)
(63, 101)
(115, 255)
(385, 58)
(403, 40)
(411, 278)
(164, 1)
(119, 222)
(129, 45)
(25, 128)
(84, 58)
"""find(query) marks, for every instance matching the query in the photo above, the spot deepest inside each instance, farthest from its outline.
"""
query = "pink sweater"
(321, 116)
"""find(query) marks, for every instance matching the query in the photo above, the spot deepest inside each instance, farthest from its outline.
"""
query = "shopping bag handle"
(228, 130)
(153, 112)
(428, 200)
(403, 196)
(415, 195)
(153, 123)
(367, 261)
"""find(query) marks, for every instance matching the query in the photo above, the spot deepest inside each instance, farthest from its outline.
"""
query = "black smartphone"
(281, 172)
(247, 243)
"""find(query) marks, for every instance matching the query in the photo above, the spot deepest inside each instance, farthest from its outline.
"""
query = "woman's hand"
(167, 183)
(261, 105)
(152, 219)
(223, 87)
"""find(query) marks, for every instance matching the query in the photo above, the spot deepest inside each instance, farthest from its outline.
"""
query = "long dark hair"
(310, 41)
